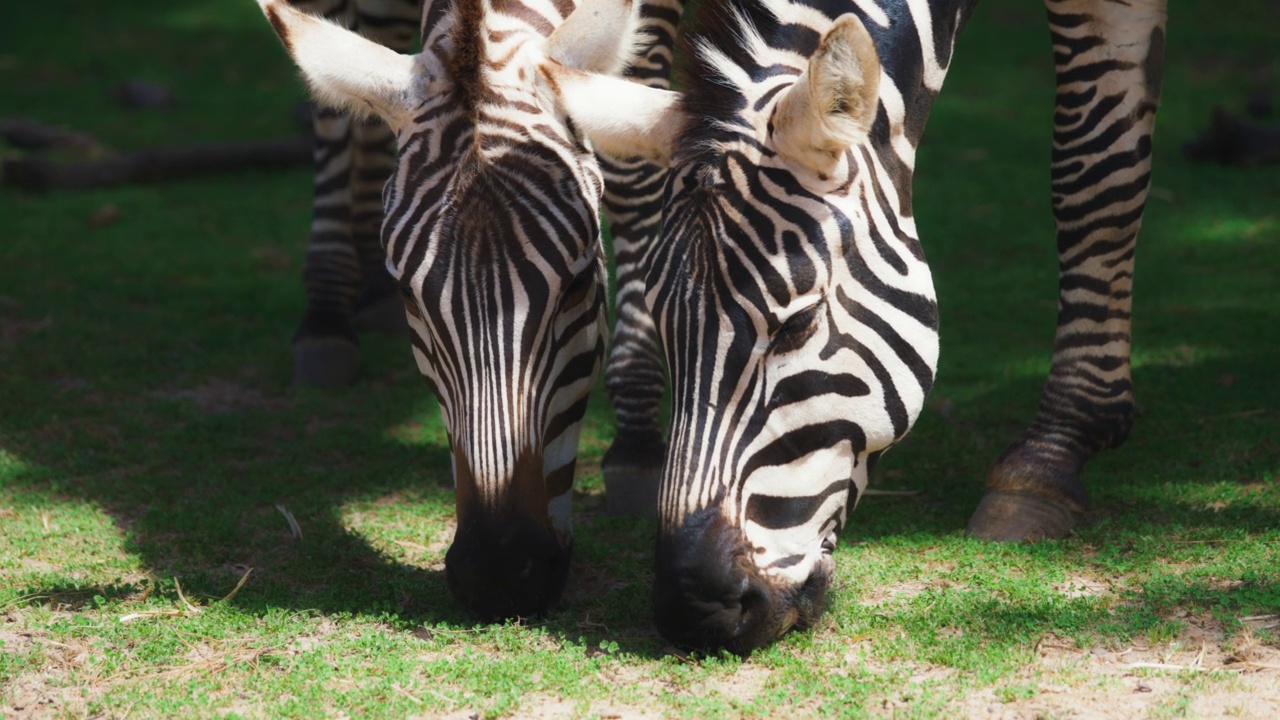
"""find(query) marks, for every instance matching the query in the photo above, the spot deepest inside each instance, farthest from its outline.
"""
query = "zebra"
(348, 289)
(793, 302)
(490, 230)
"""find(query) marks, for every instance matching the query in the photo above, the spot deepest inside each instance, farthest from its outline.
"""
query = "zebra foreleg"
(379, 307)
(634, 374)
(394, 24)
(347, 286)
(1108, 58)
(325, 349)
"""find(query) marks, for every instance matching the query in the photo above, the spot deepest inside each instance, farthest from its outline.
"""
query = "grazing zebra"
(490, 229)
(348, 288)
(793, 301)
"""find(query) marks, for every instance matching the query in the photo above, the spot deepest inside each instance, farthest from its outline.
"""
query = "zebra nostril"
(753, 597)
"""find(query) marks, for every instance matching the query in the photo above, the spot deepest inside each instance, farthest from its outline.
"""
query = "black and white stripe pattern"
(490, 228)
(1108, 56)
(344, 278)
(795, 308)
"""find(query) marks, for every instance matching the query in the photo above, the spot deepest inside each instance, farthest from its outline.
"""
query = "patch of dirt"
(745, 683)
(223, 396)
(16, 642)
(242, 705)
(45, 693)
(906, 590)
(1078, 586)
(1201, 673)
(315, 639)
(542, 707)
(35, 565)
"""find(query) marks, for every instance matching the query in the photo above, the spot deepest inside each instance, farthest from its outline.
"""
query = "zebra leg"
(325, 350)
(634, 374)
(1109, 59)
(344, 270)
(379, 307)
(393, 23)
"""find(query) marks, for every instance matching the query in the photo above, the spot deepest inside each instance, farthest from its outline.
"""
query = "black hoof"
(632, 470)
(1006, 516)
(325, 362)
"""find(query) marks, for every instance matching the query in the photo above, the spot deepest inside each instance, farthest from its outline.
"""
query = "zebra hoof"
(385, 316)
(325, 362)
(1007, 516)
(632, 470)
(631, 489)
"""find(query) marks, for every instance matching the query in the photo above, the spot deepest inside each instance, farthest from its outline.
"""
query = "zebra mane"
(466, 56)
(730, 46)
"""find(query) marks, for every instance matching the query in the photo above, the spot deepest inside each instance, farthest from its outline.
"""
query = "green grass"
(147, 434)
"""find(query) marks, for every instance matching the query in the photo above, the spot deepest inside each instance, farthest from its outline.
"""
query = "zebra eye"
(795, 331)
(578, 289)
(410, 302)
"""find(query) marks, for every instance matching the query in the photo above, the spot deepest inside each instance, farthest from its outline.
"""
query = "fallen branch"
(27, 134)
(876, 492)
(1180, 668)
(44, 174)
(190, 608)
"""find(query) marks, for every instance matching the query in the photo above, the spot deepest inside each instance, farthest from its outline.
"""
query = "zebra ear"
(599, 36)
(622, 118)
(833, 103)
(343, 69)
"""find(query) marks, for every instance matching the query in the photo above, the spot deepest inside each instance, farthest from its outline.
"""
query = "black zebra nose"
(707, 594)
(507, 569)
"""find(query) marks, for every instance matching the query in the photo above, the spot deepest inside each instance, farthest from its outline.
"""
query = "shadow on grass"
(192, 479)
(961, 629)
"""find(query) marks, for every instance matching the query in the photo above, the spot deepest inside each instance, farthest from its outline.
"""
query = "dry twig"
(294, 528)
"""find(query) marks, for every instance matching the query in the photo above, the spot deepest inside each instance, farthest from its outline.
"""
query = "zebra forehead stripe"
(777, 512)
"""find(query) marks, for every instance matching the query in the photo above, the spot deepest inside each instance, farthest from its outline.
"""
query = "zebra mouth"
(506, 569)
(708, 594)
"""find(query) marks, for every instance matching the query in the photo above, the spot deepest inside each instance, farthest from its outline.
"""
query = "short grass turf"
(150, 447)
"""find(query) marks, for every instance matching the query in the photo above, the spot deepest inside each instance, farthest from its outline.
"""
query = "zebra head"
(491, 228)
(795, 309)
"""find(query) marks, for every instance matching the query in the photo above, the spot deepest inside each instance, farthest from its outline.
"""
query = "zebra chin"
(709, 595)
(503, 569)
